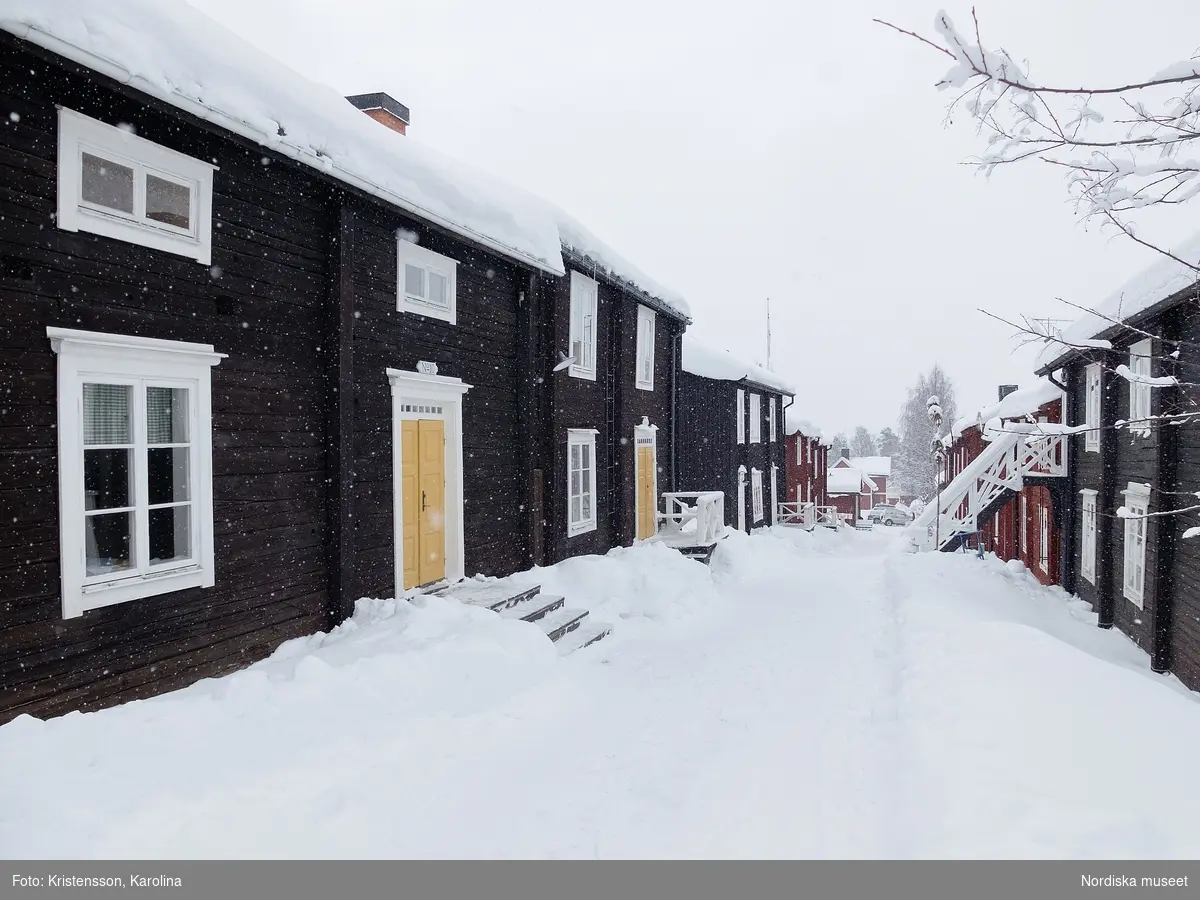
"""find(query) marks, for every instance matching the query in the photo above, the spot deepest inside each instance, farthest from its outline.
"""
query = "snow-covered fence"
(697, 516)
(797, 513)
(827, 516)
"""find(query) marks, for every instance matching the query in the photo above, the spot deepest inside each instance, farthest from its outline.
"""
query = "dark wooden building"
(1135, 463)
(248, 380)
(730, 433)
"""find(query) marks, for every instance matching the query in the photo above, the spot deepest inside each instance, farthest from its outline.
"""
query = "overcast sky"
(765, 148)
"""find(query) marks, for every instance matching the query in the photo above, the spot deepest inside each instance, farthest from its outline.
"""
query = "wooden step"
(561, 621)
(583, 636)
(493, 595)
(533, 609)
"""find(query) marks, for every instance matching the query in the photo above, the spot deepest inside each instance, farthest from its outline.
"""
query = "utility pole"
(769, 335)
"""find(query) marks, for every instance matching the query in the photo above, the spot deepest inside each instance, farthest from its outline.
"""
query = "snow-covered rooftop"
(721, 365)
(1022, 402)
(172, 51)
(1157, 282)
(843, 480)
(873, 465)
(794, 424)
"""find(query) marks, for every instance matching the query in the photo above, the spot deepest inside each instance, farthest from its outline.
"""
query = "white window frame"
(582, 437)
(1044, 537)
(585, 306)
(741, 416)
(78, 134)
(1091, 408)
(1139, 394)
(771, 419)
(756, 494)
(1024, 524)
(87, 357)
(644, 377)
(428, 261)
(1133, 578)
(799, 450)
(1087, 550)
(755, 419)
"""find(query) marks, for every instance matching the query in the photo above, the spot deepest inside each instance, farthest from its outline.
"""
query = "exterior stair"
(570, 629)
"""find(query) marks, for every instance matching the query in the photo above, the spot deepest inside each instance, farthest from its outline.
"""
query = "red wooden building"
(807, 457)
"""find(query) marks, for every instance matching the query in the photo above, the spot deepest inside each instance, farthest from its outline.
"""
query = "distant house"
(851, 491)
(731, 433)
(879, 471)
(807, 456)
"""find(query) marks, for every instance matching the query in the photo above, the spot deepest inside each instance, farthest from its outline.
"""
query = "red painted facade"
(807, 465)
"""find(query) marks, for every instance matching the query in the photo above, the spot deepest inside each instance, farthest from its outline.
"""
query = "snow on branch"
(1152, 381)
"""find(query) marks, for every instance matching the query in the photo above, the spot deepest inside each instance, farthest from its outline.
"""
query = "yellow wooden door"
(645, 493)
(431, 435)
(410, 500)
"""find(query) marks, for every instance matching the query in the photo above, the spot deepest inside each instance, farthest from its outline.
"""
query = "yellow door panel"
(645, 493)
(410, 500)
(432, 441)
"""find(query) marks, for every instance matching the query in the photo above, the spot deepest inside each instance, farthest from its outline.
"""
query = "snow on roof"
(1157, 282)
(873, 465)
(721, 365)
(1022, 402)
(172, 51)
(793, 424)
(848, 481)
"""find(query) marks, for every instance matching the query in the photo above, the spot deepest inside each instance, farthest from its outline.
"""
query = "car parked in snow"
(889, 515)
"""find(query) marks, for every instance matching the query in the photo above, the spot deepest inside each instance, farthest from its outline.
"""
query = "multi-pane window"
(755, 418)
(1137, 504)
(1139, 392)
(581, 481)
(645, 348)
(1043, 537)
(771, 417)
(1087, 551)
(426, 282)
(1024, 524)
(135, 465)
(584, 304)
(756, 494)
(1091, 408)
(741, 416)
(113, 183)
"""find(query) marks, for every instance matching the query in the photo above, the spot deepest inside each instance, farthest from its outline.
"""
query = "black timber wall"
(483, 350)
(264, 304)
(707, 440)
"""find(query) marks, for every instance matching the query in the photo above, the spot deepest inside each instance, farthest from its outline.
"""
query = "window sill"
(94, 222)
(1139, 602)
(586, 374)
(125, 590)
(577, 530)
(645, 386)
(429, 312)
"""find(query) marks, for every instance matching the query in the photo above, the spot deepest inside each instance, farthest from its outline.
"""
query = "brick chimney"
(845, 453)
(1006, 389)
(384, 109)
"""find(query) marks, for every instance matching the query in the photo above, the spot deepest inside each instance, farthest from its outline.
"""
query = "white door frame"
(412, 389)
(644, 435)
(774, 493)
(741, 498)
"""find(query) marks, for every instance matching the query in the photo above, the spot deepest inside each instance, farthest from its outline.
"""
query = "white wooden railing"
(799, 513)
(696, 517)
(827, 516)
(1010, 457)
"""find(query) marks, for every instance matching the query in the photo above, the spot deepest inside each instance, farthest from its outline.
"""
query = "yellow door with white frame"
(646, 507)
(423, 499)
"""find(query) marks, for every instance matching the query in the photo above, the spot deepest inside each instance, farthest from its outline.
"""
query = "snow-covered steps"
(570, 628)
(701, 554)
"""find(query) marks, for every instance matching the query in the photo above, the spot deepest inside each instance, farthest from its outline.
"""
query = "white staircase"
(1013, 454)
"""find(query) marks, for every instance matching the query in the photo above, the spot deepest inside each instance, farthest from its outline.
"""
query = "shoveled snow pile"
(172, 51)
(809, 695)
(1159, 281)
(721, 365)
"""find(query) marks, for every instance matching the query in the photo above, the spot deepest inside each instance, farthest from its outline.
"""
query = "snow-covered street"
(823, 695)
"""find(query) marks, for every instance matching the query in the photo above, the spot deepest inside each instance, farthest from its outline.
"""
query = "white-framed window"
(1087, 549)
(771, 418)
(1043, 537)
(645, 348)
(1091, 408)
(1139, 394)
(755, 419)
(113, 183)
(1024, 524)
(1137, 505)
(581, 481)
(134, 467)
(756, 494)
(585, 294)
(426, 282)
(741, 416)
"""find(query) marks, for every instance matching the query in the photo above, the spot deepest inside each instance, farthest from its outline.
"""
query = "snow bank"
(1157, 282)
(171, 51)
(721, 365)
(1020, 403)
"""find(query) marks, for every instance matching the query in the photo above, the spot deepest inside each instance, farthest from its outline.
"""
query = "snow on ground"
(822, 695)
